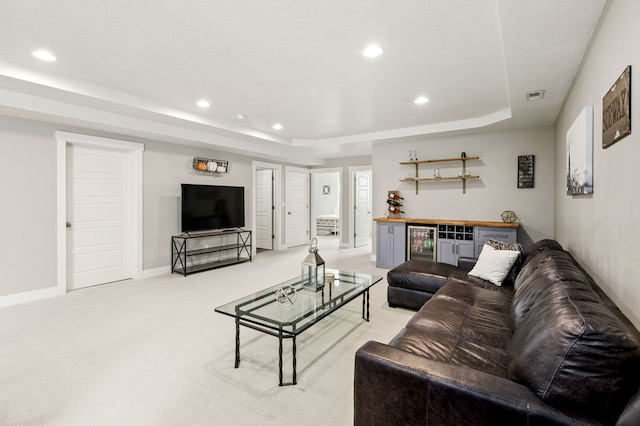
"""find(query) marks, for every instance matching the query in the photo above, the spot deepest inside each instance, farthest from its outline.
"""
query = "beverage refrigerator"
(421, 242)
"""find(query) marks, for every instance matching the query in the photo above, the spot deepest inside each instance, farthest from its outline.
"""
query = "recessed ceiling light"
(373, 51)
(44, 55)
(241, 116)
(203, 104)
(421, 100)
(277, 126)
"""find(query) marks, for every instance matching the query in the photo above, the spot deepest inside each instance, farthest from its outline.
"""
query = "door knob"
(68, 224)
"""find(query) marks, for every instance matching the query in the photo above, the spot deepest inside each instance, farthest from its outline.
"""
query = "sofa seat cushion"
(452, 349)
(474, 314)
(574, 352)
(485, 295)
(420, 275)
(464, 277)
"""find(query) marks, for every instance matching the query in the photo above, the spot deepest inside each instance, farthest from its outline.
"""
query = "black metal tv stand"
(196, 252)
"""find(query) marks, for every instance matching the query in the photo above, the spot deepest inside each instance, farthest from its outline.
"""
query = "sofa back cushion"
(539, 247)
(536, 276)
(573, 351)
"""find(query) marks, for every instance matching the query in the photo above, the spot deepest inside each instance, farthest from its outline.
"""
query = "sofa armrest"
(397, 387)
(467, 263)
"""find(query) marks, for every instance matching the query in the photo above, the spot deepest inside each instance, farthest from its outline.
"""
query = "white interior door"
(297, 208)
(264, 209)
(362, 210)
(98, 216)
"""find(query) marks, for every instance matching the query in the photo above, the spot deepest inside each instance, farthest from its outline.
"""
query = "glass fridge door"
(421, 242)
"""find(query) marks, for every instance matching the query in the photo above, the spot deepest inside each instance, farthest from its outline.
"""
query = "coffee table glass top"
(308, 306)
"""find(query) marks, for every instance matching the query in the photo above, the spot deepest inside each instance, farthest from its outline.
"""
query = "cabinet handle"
(496, 235)
(453, 249)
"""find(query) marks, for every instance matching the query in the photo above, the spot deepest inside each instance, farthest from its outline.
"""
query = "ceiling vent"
(536, 95)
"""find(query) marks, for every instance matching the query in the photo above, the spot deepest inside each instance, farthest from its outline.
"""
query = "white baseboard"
(156, 272)
(30, 296)
(45, 293)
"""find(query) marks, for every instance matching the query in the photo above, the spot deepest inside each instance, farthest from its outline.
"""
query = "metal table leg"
(280, 357)
(294, 361)
(365, 301)
(237, 364)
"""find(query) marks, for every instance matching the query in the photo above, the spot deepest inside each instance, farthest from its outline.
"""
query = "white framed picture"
(580, 154)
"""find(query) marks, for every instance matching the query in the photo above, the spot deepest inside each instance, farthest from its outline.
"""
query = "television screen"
(209, 207)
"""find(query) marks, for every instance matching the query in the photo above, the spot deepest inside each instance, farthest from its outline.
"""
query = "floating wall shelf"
(463, 178)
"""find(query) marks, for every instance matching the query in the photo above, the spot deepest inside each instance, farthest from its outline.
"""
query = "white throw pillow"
(494, 265)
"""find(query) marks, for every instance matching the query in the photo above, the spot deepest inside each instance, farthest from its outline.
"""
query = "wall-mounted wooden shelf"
(463, 178)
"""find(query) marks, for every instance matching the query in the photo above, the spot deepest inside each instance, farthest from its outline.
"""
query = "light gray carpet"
(154, 352)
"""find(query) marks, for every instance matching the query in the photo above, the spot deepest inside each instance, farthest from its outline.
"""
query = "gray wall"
(28, 172)
(487, 197)
(166, 166)
(28, 193)
(600, 229)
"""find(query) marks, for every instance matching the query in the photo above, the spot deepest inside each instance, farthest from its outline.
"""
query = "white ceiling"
(137, 68)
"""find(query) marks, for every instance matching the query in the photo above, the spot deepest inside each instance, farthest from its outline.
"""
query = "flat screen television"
(211, 207)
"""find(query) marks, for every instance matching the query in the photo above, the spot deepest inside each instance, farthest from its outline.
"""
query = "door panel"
(362, 204)
(99, 209)
(264, 209)
(297, 208)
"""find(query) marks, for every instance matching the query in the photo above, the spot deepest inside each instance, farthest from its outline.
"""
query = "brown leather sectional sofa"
(550, 349)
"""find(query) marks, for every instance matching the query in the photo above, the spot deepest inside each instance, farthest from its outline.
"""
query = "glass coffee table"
(288, 312)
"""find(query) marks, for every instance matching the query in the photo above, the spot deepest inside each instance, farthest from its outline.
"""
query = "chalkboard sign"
(525, 171)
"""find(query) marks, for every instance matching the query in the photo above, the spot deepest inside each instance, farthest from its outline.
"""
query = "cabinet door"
(464, 249)
(390, 245)
(383, 245)
(399, 243)
(449, 251)
(446, 251)
(484, 233)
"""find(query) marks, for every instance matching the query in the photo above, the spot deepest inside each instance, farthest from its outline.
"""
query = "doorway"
(267, 206)
(326, 203)
(361, 190)
(297, 205)
(265, 209)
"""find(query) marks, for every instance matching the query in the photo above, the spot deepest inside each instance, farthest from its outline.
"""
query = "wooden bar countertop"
(448, 222)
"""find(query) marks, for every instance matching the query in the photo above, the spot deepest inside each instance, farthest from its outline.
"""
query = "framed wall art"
(616, 110)
(580, 154)
(526, 171)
